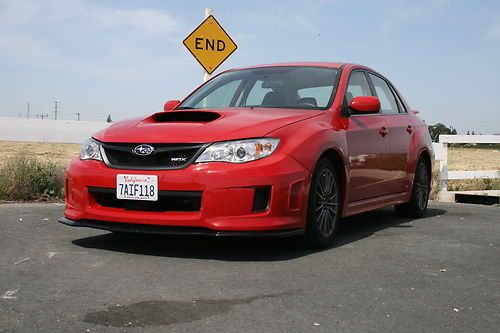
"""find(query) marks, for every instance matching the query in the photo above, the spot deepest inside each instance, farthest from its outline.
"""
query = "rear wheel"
(323, 209)
(417, 205)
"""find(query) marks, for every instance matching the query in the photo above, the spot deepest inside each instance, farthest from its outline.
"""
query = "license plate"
(137, 187)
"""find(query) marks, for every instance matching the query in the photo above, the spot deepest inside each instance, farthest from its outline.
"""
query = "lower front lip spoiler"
(168, 230)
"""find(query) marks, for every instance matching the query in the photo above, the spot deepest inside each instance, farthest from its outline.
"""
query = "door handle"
(409, 129)
(383, 131)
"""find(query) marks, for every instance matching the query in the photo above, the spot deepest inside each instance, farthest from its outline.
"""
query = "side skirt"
(360, 206)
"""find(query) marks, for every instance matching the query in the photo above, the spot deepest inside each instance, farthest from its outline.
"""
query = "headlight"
(239, 151)
(91, 150)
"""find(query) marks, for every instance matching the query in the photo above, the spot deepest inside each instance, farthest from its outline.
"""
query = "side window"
(402, 108)
(388, 103)
(357, 86)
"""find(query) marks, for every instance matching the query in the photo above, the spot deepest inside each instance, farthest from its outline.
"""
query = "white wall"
(37, 130)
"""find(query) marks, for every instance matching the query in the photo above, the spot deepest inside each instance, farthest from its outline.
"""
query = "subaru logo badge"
(143, 150)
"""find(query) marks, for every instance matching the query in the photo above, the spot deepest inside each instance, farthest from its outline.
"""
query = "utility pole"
(78, 116)
(28, 111)
(55, 109)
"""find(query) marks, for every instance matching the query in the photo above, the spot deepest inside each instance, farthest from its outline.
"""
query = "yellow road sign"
(210, 44)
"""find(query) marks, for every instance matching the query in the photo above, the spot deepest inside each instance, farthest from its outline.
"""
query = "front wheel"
(323, 206)
(417, 206)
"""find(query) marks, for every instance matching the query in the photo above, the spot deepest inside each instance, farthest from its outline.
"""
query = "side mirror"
(170, 105)
(365, 104)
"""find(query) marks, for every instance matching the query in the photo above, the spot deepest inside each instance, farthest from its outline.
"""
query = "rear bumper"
(169, 230)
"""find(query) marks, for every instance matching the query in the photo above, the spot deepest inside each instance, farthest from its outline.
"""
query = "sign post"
(208, 12)
(210, 44)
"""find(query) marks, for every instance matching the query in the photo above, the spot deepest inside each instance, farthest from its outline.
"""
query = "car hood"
(190, 126)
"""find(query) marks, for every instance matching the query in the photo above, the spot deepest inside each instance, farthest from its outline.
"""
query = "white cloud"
(401, 12)
(29, 35)
(16, 12)
(149, 22)
(493, 33)
(287, 15)
(25, 48)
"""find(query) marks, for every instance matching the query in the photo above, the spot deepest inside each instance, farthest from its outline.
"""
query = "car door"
(367, 144)
(399, 135)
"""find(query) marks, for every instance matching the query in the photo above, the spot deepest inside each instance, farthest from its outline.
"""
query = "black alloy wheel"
(417, 206)
(324, 203)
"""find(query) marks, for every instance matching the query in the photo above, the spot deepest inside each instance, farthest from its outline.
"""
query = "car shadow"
(352, 229)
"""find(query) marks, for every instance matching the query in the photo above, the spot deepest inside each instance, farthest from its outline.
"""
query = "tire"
(417, 206)
(323, 206)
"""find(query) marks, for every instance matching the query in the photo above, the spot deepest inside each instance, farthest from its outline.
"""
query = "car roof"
(308, 64)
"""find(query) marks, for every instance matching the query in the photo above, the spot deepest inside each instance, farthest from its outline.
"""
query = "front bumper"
(227, 198)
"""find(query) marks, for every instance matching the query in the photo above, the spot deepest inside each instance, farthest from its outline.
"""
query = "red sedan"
(272, 150)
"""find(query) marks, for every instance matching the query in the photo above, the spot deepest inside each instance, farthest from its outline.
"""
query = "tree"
(468, 133)
(438, 129)
(108, 120)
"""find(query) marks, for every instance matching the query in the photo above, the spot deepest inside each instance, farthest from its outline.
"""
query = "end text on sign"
(210, 44)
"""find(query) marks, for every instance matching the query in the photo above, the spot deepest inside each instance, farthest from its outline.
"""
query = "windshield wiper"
(185, 108)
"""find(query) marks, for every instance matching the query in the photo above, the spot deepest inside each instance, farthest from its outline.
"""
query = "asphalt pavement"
(384, 274)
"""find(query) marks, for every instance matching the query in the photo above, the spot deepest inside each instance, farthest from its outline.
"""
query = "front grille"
(164, 156)
(168, 201)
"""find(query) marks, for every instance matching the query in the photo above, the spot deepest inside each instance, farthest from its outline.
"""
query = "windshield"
(269, 87)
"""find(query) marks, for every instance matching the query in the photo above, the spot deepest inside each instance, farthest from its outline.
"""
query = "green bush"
(24, 177)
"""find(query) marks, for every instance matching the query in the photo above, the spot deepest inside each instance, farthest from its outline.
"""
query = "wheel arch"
(336, 158)
(424, 154)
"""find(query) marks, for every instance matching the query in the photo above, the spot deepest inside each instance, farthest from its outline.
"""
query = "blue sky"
(125, 58)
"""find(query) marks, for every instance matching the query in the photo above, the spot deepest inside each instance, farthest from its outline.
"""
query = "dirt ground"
(458, 158)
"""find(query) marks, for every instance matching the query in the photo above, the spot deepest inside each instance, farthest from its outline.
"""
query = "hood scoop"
(185, 117)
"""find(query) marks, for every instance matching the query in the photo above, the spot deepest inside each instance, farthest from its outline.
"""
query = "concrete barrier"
(57, 131)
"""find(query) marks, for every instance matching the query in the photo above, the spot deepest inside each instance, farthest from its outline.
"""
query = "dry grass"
(24, 177)
(59, 153)
(473, 184)
(458, 159)
(468, 159)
